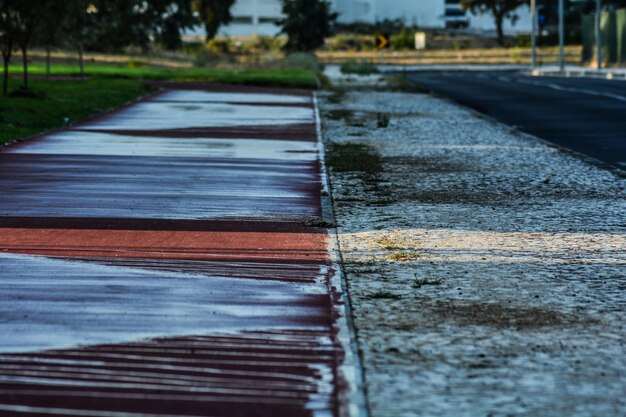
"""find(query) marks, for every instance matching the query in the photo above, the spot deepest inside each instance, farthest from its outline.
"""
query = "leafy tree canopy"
(213, 14)
(500, 9)
(120, 23)
(307, 23)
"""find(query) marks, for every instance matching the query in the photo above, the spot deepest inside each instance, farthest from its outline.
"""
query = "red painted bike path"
(156, 261)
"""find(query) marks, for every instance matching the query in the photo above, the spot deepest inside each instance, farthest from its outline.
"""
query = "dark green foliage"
(307, 23)
(120, 23)
(8, 28)
(18, 19)
(27, 116)
(213, 14)
(359, 68)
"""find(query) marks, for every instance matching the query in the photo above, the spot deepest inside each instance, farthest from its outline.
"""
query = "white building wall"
(254, 17)
(258, 16)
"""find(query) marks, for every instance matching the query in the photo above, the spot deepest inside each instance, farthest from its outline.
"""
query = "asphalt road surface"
(585, 115)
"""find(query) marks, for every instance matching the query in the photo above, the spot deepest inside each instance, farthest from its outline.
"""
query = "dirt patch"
(453, 196)
(498, 315)
(428, 165)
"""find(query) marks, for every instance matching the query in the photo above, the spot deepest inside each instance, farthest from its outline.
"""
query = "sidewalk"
(486, 269)
(580, 71)
(159, 260)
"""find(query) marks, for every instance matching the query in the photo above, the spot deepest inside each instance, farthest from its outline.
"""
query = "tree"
(78, 26)
(17, 25)
(500, 9)
(116, 24)
(307, 23)
(213, 14)
(8, 28)
(28, 14)
(48, 30)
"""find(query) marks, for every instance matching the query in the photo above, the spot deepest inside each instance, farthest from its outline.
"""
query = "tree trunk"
(25, 66)
(48, 61)
(80, 60)
(499, 17)
(5, 80)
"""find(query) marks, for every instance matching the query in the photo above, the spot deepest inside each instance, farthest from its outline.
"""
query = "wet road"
(585, 115)
(155, 261)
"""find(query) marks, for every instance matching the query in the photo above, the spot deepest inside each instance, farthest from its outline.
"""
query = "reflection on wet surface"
(191, 96)
(112, 304)
(60, 185)
(182, 223)
(154, 115)
(94, 143)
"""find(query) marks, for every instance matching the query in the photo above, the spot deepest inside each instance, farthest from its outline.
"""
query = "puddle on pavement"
(94, 143)
(209, 97)
(155, 115)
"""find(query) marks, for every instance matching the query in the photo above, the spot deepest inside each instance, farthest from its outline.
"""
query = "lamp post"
(598, 34)
(561, 36)
(533, 33)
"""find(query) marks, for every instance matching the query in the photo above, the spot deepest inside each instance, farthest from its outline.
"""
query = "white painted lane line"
(573, 90)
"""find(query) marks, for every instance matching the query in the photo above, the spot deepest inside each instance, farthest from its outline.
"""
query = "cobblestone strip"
(486, 269)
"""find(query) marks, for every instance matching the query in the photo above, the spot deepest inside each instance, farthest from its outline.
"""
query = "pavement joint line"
(352, 367)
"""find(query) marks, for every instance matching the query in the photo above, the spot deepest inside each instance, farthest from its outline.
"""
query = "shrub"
(403, 40)
(205, 59)
(218, 46)
(303, 61)
(267, 43)
(359, 68)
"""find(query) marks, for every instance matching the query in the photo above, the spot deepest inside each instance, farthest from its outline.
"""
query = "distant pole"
(533, 33)
(561, 36)
(598, 34)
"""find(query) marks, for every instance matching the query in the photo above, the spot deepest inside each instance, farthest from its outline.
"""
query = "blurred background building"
(260, 16)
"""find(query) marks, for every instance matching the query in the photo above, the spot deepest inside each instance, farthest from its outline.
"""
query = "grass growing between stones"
(403, 256)
(350, 157)
(383, 295)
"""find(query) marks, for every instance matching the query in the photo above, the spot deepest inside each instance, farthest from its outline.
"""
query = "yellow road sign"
(382, 41)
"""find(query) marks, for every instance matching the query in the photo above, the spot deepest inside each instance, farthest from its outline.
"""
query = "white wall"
(423, 13)
(259, 15)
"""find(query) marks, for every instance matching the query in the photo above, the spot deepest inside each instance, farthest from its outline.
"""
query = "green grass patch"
(295, 78)
(347, 157)
(109, 86)
(57, 100)
(359, 68)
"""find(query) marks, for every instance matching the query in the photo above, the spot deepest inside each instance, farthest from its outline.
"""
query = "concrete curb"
(353, 403)
(581, 73)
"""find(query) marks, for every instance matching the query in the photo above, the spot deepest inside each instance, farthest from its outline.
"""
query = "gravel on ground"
(486, 269)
